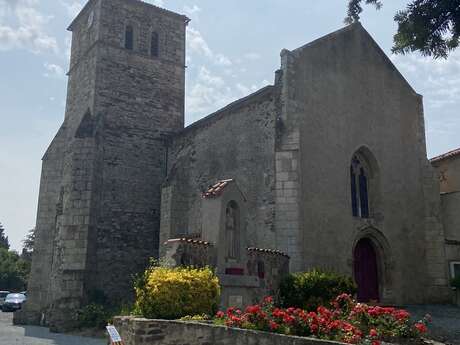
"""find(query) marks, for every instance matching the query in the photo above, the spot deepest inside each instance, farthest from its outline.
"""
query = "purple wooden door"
(366, 272)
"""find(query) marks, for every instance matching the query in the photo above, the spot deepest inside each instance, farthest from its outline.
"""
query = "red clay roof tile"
(446, 155)
(216, 189)
(267, 251)
(190, 241)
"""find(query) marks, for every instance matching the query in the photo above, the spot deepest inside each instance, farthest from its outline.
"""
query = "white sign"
(113, 333)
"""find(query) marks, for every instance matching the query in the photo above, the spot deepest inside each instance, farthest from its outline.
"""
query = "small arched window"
(129, 37)
(359, 174)
(232, 229)
(154, 45)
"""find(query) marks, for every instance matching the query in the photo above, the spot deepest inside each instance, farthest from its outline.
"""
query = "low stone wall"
(135, 331)
(243, 283)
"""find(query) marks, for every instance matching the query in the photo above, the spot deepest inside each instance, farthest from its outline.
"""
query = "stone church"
(328, 164)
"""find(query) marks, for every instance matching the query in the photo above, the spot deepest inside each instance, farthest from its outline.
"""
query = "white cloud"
(439, 83)
(159, 3)
(73, 7)
(54, 71)
(210, 92)
(196, 44)
(438, 80)
(191, 10)
(28, 31)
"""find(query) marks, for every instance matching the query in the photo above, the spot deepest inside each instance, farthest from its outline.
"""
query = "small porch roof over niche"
(216, 190)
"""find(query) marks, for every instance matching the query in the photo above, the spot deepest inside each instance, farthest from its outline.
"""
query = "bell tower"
(98, 220)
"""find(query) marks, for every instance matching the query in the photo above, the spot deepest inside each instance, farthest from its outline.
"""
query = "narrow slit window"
(354, 194)
(359, 183)
(154, 45)
(363, 194)
(129, 37)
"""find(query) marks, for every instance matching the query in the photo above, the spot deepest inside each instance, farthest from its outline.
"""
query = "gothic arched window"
(129, 37)
(232, 230)
(359, 173)
(154, 44)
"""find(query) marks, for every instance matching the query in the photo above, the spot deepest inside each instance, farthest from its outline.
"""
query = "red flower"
(401, 315)
(421, 327)
(273, 325)
(375, 342)
(288, 319)
(253, 309)
(373, 333)
(220, 315)
(268, 300)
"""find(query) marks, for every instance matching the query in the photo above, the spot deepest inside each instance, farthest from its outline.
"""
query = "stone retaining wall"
(135, 331)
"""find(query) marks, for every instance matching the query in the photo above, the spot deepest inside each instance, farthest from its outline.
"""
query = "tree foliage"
(29, 241)
(431, 27)
(3, 238)
(13, 271)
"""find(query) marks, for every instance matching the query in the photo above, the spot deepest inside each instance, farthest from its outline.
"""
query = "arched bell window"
(232, 230)
(359, 174)
(129, 37)
(154, 45)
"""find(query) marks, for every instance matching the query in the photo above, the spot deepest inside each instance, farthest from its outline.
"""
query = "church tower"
(99, 206)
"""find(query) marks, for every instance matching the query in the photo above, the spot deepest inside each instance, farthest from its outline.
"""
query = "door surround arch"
(384, 258)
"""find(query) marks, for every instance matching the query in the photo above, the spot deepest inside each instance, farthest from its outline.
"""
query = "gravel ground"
(446, 321)
(31, 335)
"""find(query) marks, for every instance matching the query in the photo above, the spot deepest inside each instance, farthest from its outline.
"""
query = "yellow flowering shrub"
(172, 293)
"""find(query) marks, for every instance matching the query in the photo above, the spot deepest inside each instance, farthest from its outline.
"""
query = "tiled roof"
(190, 241)
(267, 251)
(216, 189)
(446, 155)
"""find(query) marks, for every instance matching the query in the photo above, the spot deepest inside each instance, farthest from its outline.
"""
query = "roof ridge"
(223, 110)
(448, 154)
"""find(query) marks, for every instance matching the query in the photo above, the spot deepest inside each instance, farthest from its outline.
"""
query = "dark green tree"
(28, 246)
(13, 271)
(29, 241)
(3, 238)
(431, 27)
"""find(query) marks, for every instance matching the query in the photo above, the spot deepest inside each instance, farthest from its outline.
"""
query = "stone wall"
(99, 205)
(450, 206)
(345, 96)
(140, 100)
(261, 275)
(160, 332)
(448, 169)
(236, 143)
(450, 203)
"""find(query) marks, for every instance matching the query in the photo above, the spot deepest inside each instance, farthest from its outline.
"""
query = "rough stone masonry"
(331, 161)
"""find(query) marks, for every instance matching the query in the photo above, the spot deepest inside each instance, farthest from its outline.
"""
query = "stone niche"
(245, 274)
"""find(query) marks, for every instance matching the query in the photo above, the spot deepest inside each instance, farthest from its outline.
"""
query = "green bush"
(172, 293)
(308, 290)
(93, 316)
(455, 282)
(100, 310)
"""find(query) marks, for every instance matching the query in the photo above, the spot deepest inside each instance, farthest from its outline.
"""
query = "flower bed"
(347, 321)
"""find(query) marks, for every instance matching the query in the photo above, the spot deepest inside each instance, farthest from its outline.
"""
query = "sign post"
(115, 338)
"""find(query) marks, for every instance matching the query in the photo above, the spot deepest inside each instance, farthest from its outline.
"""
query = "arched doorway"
(366, 271)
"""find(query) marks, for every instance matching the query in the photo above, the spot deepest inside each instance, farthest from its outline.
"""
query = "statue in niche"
(232, 231)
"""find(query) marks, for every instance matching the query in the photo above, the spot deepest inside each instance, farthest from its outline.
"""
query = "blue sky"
(233, 49)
